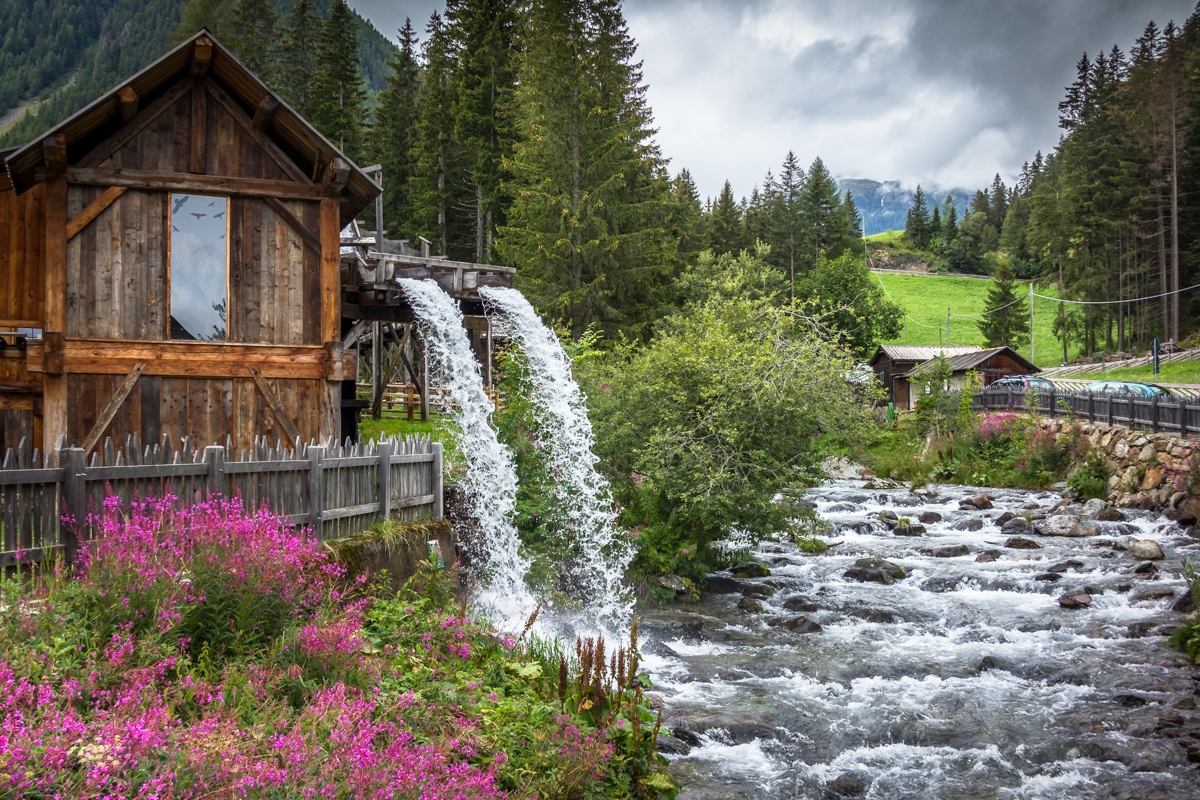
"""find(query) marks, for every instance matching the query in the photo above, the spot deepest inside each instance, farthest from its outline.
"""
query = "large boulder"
(930, 517)
(1014, 526)
(671, 582)
(800, 603)
(758, 591)
(1064, 525)
(801, 625)
(895, 570)
(868, 575)
(968, 525)
(1075, 600)
(1146, 550)
(950, 551)
(719, 584)
(747, 604)
(908, 529)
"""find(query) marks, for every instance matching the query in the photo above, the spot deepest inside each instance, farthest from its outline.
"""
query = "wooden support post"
(424, 383)
(110, 411)
(331, 309)
(73, 461)
(376, 368)
(273, 402)
(54, 251)
(316, 489)
(408, 400)
(94, 209)
(384, 481)
(202, 56)
(264, 112)
(218, 481)
(438, 504)
(1154, 412)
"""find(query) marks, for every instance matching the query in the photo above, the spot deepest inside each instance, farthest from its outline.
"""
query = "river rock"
(868, 575)
(1063, 566)
(968, 525)
(906, 529)
(1186, 603)
(949, 551)
(882, 483)
(895, 570)
(1049, 576)
(1064, 525)
(1014, 525)
(801, 625)
(758, 591)
(1032, 505)
(942, 583)
(750, 569)
(1123, 543)
(1145, 568)
(1003, 518)
(672, 582)
(985, 558)
(930, 517)
(747, 604)
(1019, 543)
(1146, 549)
(981, 501)
(719, 584)
(1153, 593)
(1080, 600)
(842, 508)
(800, 604)
(1110, 514)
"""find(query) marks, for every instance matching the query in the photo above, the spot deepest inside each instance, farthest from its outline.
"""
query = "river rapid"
(965, 679)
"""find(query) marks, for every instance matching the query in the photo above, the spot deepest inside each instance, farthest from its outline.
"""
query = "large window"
(199, 266)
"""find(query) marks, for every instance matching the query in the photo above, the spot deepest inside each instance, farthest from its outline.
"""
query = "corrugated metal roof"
(965, 361)
(901, 352)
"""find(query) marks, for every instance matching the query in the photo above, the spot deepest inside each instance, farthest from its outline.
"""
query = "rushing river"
(964, 680)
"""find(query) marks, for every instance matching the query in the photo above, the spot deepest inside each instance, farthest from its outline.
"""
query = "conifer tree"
(786, 227)
(484, 32)
(586, 228)
(298, 57)
(257, 40)
(916, 223)
(688, 217)
(725, 224)
(997, 203)
(1005, 321)
(338, 93)
(854, 222)
(439, 191)
(935, 224)
(394, 135)
(825, 224)
(949, 220)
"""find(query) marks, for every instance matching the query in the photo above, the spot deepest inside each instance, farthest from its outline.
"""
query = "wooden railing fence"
(48, 505)
(1173, 414)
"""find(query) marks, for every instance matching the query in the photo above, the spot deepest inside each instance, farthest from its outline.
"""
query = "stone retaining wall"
(1144, 466)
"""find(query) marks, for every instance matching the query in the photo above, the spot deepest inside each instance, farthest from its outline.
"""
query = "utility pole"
(1031, 321)
(947, 326)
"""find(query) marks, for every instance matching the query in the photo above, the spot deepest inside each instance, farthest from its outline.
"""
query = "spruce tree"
(687, 217)
(854, 222)
(786, 225)
(587, 227)
(824, 223)
(1006, 319)
(394, 134)
(949, 220)
(725, 224)
(997, 203)
(257, 40)
(338, 93)
(484, 32)
(935, 224)
(916, 224)
(439, 191)
(298, 57)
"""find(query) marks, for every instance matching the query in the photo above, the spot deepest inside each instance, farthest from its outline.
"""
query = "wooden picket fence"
(1172, 413)
(48, 505)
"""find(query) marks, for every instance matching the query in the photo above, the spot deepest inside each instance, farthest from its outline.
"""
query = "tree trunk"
(478, 224)
(1174, 227)
(1162, 269)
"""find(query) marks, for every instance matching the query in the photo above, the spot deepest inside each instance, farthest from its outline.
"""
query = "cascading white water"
(491, 479)
(585, 504)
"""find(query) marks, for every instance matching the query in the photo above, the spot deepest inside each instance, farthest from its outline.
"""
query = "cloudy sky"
(943, 91)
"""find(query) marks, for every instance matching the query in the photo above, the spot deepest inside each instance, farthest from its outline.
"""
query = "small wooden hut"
(170, 265)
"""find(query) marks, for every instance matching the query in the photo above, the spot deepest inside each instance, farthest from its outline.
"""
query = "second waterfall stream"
(597, 556)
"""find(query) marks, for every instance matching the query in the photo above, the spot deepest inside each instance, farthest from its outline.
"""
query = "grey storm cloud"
(937, 91)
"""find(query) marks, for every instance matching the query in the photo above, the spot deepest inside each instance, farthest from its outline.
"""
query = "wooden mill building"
(170, 264)
(899, 366)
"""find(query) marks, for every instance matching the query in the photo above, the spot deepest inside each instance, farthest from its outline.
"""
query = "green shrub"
(1187, 635)
(1090, 481)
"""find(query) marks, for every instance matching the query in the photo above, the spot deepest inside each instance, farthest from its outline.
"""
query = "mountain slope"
(884, 205)
(58, 55)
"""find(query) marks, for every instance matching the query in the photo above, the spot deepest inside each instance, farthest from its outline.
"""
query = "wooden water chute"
(169, 265)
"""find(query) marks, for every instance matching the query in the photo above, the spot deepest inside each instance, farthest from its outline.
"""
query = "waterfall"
(491, 479)
(585, 504)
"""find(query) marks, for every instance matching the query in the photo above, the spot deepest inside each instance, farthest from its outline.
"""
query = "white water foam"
(600, 555)
(491, 478)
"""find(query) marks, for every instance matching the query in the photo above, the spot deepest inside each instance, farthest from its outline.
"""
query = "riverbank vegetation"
(206, 652)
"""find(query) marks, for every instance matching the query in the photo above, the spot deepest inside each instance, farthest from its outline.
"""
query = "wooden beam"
(202, 56)
(126, 132)
(20, 323)
(331, 290)
(94, 209)
(261, 139)
(54, 265)
(264, 112)
(336, 176)
(347, 341)
(182, 359)
(281, 415)
(54, 152)
(202, 184)
(110, 410)
(391, 368)
(127, 101)
(304, 233)
(198, 160)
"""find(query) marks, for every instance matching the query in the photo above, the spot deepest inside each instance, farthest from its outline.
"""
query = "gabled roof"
(901, 352)
(969, 361)
(298, 139)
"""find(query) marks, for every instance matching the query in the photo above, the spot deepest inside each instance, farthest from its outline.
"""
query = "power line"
(1114, 302)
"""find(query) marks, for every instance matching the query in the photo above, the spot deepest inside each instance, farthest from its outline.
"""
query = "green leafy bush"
(1187, 635)
(1090, 480)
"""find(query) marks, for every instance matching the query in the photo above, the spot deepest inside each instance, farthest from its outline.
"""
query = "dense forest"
(57, 55)
(1108, 216)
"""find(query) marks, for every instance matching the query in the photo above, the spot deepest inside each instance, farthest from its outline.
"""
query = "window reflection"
(199, 257)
